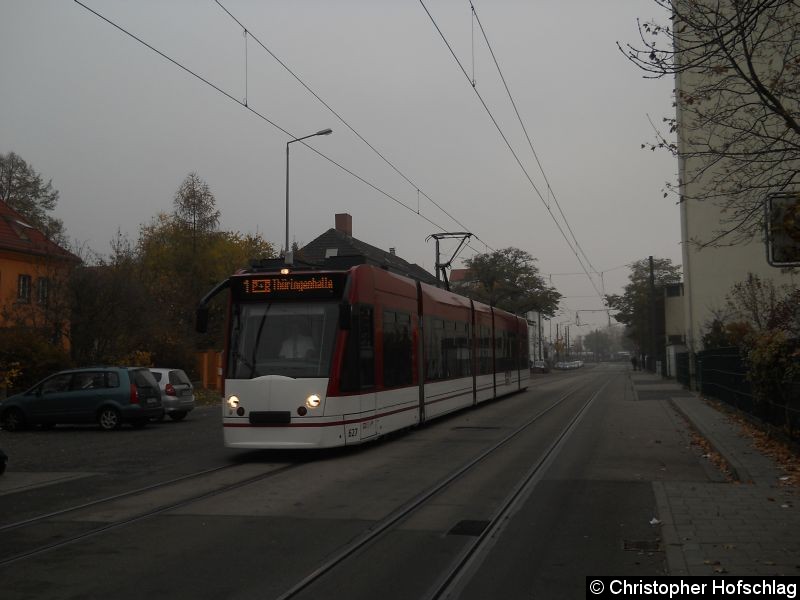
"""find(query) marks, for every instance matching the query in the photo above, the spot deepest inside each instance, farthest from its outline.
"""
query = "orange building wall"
(14, 264)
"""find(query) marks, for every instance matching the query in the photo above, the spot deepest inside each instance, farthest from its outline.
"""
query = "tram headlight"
(233, 402)
(313, 401)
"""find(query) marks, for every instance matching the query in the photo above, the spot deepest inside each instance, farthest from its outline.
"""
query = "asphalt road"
(95, 464)
(589, 513)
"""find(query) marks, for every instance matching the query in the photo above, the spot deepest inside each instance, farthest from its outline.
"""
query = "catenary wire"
(344, 122)
(259, 115)
(511, 149)
(530, 143)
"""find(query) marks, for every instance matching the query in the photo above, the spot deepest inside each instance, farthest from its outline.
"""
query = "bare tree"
(737, 68)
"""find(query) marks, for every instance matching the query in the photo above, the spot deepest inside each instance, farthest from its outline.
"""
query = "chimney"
(391, 251)
(344, 223)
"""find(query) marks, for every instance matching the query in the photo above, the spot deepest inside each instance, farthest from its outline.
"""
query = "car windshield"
(290, 339)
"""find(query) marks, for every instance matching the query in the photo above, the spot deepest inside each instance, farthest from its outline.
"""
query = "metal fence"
(682, 372)
(722, 374)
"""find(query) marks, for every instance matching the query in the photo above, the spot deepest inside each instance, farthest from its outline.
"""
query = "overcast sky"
(117, 127)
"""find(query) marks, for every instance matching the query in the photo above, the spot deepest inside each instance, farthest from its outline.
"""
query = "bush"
(26, 356)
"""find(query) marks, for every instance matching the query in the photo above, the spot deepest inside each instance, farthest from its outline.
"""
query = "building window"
(24, 289)
(673, 290)
(42, 290)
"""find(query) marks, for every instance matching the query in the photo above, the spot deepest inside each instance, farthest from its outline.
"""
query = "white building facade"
(707, 185)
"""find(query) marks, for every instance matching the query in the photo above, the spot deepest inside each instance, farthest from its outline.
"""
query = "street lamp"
(322, 132)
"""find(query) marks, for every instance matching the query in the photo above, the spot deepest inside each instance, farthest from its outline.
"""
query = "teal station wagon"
(108, 396)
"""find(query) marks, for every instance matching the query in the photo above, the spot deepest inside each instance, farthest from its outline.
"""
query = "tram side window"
(510, 351)
(434, 356)
(513, 351)
(358, 369)
(484, 350)
(464, 349)
(502, 351)
(524, 350)
(397, 349)
(456, 349)
(447, 351)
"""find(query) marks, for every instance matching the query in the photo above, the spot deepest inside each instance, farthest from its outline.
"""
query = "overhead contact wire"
(341, 119)
(258, 114)
(511, 149)
(530, 143)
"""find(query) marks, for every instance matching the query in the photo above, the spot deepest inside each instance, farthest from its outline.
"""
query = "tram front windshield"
(292, 339)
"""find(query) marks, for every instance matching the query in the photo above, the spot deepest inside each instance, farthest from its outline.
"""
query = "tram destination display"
(300, 286)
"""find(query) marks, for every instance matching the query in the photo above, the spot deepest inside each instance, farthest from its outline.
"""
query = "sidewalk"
(747, 527)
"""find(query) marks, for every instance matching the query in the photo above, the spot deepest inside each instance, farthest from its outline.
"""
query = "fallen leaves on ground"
(786, 458)
(708, 452)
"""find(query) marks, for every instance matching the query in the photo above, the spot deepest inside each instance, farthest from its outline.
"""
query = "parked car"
(540, 366)
(108, 396)
(177, 392)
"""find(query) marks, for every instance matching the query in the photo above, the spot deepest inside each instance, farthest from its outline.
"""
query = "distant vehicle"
(177, 392)
(568, 365)
(540, 366)
(3, 461)
(107, 396)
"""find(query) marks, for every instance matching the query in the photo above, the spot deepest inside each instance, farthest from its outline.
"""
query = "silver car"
(177, 392)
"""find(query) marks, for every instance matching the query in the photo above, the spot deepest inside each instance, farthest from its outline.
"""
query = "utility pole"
(558, 344)
(566, 327)
(541, 333)
(652, 345)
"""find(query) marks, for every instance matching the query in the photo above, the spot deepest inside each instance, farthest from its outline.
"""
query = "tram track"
(106, 499)
(374, 532)
(465, 559)
(138, 516)
(463, 567)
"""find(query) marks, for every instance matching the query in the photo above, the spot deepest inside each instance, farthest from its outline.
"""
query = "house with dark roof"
(32, 269)
(338, 249)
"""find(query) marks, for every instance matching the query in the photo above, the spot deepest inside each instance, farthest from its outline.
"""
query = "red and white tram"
(318, 358)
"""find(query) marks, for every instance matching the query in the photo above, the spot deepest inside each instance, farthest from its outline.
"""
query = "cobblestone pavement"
(748, 526)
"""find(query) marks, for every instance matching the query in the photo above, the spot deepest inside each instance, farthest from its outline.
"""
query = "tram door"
(362, 426)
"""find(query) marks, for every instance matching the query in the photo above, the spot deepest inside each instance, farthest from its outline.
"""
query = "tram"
(323, 358)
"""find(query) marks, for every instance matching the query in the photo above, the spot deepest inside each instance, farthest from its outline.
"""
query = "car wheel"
(109, 419)
(178, 415)
(13, 420)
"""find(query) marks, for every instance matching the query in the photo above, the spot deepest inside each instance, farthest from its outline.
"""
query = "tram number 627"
(352, 432)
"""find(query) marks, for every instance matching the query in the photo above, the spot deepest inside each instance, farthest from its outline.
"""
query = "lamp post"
(322, 132)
